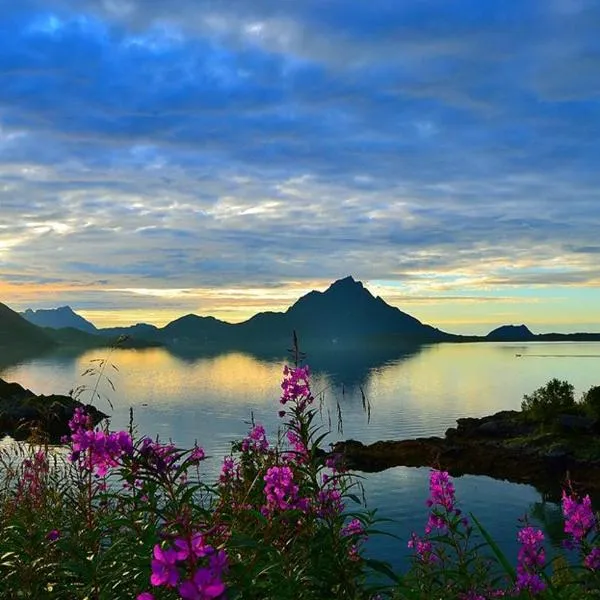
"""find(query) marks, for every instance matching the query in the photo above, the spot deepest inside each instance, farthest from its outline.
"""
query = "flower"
(296, 387)
(579, 517)
(423, 549)
(53, 535)
(592, 560)
(164, 569)
(145, 596)
(531, 557)
(256, 440)
(198, 454)
(206, 584)
(281, 492)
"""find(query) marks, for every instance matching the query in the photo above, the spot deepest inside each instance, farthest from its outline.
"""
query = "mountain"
(345, 314)
(348, 310)
(17, 332)
(139, 331)
(59, 318)
(510, 333)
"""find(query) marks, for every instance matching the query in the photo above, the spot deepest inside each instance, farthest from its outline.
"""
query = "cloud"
(194, 144)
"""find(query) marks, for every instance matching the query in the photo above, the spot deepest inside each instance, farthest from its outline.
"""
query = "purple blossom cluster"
(157, 455)
(329, 498)
(230, 470)
(423, 549)
(354, 529)
(530, 560)
(442, 502)
(579, 517)
(299, 452)
(580, 521)
(256, 441)
(296, 387)
(281, 492)
(95, 450)
(203, 582)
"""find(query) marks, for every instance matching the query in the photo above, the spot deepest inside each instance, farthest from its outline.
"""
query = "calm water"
(418, 393)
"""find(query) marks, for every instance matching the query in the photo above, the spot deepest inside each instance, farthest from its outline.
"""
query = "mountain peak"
(347, 283)
(58, 318)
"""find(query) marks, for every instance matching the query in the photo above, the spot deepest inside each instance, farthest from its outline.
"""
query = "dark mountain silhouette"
(345, 314)
(511, 333)
(59, 318)
(17, 332)
(139, 331)
(348, 310)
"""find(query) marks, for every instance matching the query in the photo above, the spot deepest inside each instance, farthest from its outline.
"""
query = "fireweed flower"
(592, 560)
(53, 535)
(195, 546)
(206, 584)
(95, 450)
(256, 440)
(329, 498)
(229, 470)
(442, 502)
(296, 387)
(281, 492)
(159, 456)
(579, 517)
(530, 559)
(164, 568)
(423, 549)
(356, 530)
(198, 454)
(145, 596)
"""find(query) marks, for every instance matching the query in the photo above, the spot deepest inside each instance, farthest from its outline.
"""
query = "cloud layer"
(444, 148)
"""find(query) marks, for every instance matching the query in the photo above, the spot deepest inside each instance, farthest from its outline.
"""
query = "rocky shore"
(504, 446)
(22, 413)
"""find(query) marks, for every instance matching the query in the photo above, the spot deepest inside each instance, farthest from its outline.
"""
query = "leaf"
(508, 568)
(383, 568)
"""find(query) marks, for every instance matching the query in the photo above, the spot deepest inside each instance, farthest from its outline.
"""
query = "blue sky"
(224, 157)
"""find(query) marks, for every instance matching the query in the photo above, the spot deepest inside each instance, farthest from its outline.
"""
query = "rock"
(22, 412)
(576, 423)
(504, 446)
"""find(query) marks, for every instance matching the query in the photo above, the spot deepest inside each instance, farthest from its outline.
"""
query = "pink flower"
(145, 596)
(579, 517)
(296, 387)
(198, 454)
(530, 559)
(206, 584)
(164, 569)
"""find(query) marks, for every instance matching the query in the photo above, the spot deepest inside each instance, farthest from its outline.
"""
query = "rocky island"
(507, 445)
(22, 413)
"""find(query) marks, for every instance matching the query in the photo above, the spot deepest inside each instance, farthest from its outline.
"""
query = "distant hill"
(59, 318)
(17, 332)
(521, 333)
(345, 314)
(511, 333)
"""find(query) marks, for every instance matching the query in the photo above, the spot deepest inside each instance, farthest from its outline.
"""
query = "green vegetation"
(547, 402)
(591, 401)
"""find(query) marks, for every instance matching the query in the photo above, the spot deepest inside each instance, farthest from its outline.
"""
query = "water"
(414, 393)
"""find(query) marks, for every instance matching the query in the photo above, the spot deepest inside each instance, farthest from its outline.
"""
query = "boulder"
(22, 412)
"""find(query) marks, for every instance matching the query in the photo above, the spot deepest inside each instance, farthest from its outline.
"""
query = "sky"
(224, 157)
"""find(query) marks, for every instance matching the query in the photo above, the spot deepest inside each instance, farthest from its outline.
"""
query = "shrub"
(547, 402)
(591, 401)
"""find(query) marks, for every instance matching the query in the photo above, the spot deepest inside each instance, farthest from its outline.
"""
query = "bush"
(547, 402)
(591, 401)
